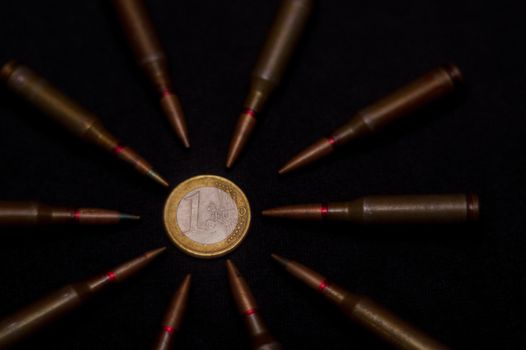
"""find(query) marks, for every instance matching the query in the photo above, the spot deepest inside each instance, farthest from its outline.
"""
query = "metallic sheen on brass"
(417, 94)
(174, 316)
(36, 214)
(246, 304)
(407, 209)
(70, 115)
(281, 42)
(152, 59)
(364, 311)
(43, 312)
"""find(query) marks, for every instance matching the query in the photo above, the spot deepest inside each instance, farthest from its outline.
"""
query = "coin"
(207, 216)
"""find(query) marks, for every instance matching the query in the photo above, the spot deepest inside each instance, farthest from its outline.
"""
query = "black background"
(462, 284)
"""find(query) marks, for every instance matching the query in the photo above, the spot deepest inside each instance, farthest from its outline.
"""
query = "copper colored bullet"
(364, 311)
(69, 114)
(281, 42)
(34, 317)
(261, 338)
(174, 316)
(152, 59)
(36, 214)
(408, 209)
(422, 91)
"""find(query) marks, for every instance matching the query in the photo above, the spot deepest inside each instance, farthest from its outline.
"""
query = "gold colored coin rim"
(190, 247)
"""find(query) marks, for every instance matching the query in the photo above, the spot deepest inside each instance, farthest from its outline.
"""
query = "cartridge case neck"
(259, 94)
(355, 129)
(157, 71)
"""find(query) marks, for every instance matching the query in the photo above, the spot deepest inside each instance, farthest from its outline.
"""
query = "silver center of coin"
(207, 215)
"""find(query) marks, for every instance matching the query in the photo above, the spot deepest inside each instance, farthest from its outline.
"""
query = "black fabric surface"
(462, 284)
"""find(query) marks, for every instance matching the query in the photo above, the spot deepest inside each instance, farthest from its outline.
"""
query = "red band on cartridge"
(324, 210)
(250, 112)
(250, 312)
(323, 285)
(111, 276)
(118, 149)
(76, 215)
(166, 92)
(168, 329)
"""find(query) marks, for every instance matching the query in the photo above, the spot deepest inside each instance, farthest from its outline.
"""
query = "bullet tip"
(287, 168)
(158, 178)
(186, 281)
(283, 170)
(231, 268)
(126, 217)
(174, 112)
(242, 132)
(320, 149)
(155, 252)
(7, 69)
(267, 212)
(280, 260)
(185, 141)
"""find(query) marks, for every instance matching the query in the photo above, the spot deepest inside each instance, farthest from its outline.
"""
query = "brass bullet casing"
(406, 209)
(70, 115)
(151, 58)
(363, 311)
(36, 214)
(56, 305)
(246, 304)
(281, 42)
(415, 95)
(174, 316)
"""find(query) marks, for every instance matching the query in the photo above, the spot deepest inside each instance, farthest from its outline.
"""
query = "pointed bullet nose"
(269, 212)
(230, 160)
(242, 132)
(280, 260)
(314, 152)
(231, 268)
(293, 164)
(286, 168)
(185, 284)
(130, 217)
(174, 112)
(312, 212)
(187, 280)
(7, 69)
(155, 252)
(156, 177)
(185, 140)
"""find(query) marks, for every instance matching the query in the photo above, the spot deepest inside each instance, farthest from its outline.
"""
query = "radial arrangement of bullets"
(37, 214)
(363, 310)
(417, 94)
(407, 209)
(174, 316)
(204, 240)
(69, 114)
(152, 59)
(283, 38)
(247, 307)
(23, 323)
